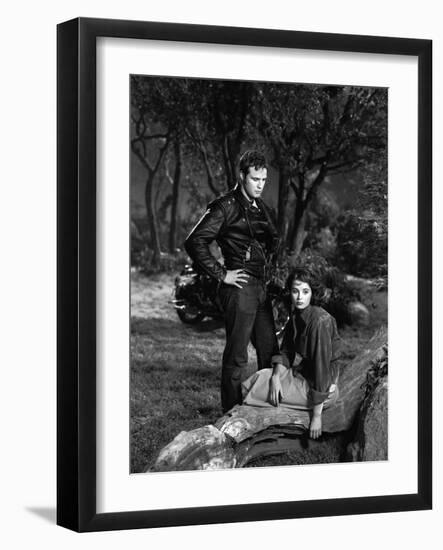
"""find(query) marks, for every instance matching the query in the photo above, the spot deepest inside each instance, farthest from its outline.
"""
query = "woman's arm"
(320, 354)
(315, 425)
(281, 362)
(275, 389)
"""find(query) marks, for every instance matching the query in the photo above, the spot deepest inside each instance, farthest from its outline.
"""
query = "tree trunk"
(152, 219)
(233, 148)
(233, 169)
(175, 198)
(305, 196)
(229, 163)
(283, 194)
(209, 173)
(298, 232)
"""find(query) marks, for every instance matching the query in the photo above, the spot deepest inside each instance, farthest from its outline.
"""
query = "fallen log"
(247, 432)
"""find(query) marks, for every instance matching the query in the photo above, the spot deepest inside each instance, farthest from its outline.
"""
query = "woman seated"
(304, 374)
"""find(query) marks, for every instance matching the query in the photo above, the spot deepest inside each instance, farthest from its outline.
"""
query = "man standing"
(242, 225)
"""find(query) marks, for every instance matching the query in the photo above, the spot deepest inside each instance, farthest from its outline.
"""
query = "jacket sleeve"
(320, 352)
(286, 355)
(198, 241)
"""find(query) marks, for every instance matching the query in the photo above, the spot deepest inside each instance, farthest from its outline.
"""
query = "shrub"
(144, 261)
(362, 245)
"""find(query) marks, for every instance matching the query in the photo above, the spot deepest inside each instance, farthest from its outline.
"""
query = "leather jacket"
(227, 221)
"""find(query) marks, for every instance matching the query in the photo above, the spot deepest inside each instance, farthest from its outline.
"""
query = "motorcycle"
(195, 296)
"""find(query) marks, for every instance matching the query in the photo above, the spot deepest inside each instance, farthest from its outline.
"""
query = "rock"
(358, 313)
(371, 440)
(352, 384)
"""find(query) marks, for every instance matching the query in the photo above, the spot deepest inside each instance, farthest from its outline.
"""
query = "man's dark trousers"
(248, 317)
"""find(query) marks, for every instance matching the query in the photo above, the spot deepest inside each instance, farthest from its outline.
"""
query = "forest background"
(327, 151)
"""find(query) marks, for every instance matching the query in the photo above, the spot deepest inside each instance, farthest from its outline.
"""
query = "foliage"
(378, 372)
(208, 116)
(310, 132)
(321, 220)
(362, 234)
(144, 262)
(315, 132)
(217, 123)
(323, 241)
(362, 246)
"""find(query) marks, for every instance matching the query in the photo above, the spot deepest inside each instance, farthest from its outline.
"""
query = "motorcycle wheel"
(190, 315)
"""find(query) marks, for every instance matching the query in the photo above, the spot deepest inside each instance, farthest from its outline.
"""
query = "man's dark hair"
(307, 276)
(252, 158)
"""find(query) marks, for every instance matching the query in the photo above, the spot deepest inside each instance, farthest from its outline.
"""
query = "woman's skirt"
(295, 390)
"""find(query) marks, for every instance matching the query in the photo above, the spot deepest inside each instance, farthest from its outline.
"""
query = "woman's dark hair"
(305, 275)
(252, 158)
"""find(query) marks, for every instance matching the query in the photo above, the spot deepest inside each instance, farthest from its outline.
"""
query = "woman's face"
(301, 294)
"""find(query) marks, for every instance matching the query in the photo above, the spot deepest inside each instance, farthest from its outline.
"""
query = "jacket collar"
(304, 315)
(238, 194)
(245, 203)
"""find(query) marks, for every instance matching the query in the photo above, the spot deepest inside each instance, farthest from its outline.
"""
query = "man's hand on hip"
(236, 277)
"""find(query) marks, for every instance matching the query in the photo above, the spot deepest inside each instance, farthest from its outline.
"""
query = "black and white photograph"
(258, 273)
(219, 222)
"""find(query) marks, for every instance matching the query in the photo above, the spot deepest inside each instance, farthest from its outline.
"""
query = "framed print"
(244, 240)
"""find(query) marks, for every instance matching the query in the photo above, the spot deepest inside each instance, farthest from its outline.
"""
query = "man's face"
(254, 182)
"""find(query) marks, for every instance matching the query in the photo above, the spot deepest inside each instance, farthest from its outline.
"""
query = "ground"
(175, 373)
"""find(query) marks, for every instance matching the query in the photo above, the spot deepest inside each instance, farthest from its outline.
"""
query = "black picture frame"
(76, 279)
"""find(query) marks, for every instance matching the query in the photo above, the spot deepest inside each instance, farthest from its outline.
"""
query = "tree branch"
(208, 171)
(152, 136)
(203, 151)
(141, 157)
(316, 183)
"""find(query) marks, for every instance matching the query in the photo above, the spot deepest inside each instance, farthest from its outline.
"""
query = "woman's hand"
(275, 391)
(315, 426)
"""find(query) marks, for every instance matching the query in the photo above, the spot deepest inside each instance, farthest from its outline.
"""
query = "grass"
(174, 384)
(175, 374)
